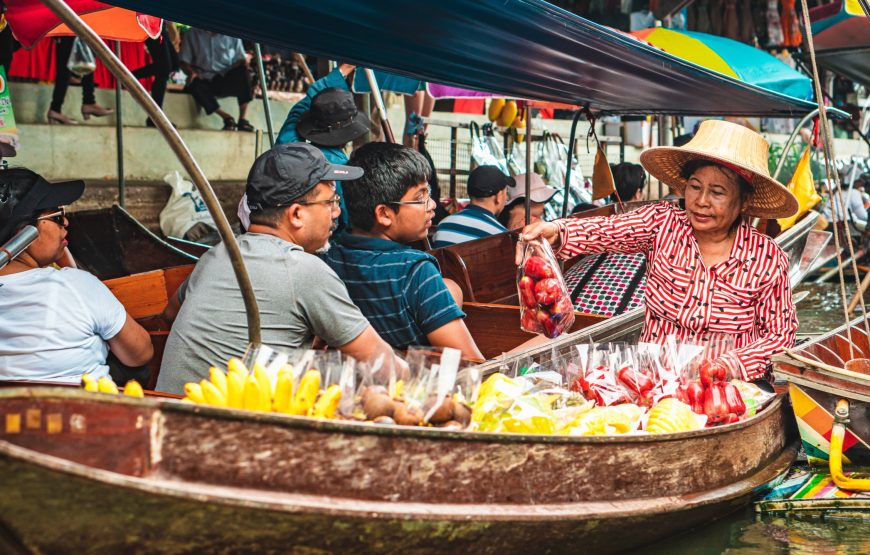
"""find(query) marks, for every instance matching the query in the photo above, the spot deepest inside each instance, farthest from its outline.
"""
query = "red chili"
(734, 400)
(538, 268)
(527, 292)
(634, 380)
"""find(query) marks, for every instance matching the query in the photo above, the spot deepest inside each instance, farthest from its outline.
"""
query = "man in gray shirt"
(216, 67)
(291, 193)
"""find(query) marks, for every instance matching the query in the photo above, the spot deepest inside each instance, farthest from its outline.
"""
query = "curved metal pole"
(267, 108)
(80, 28)
(528, 203)
(571, 139)
(379, 102)
(791, 139)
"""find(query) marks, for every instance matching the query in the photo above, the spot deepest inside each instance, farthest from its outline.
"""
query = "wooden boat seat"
(483, 268)
(145, 297)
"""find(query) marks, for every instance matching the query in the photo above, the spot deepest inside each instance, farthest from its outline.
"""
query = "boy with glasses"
(399, 289)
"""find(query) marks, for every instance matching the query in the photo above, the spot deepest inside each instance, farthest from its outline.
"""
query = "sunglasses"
(58, 217)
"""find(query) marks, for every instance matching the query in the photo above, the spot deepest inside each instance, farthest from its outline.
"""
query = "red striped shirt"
(747, 296)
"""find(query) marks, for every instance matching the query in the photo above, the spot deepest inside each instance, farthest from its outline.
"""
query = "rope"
(829, 161)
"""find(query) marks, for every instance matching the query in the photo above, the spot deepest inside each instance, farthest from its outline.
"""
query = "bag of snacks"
(545, 306)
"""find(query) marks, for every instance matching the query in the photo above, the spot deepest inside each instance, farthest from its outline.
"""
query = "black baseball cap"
(333, 119)
(24, 193)
(485, 181)
(287, 171)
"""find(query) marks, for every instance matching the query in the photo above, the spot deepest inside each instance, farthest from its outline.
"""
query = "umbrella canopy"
(732, 58)
(520, 48)
(30, 21)
(841, 36)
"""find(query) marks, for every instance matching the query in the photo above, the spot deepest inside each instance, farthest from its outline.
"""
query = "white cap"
(539, 191)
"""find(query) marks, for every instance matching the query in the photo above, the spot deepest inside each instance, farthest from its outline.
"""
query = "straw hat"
(736, 147)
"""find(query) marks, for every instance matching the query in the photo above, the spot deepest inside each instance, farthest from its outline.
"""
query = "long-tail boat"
(110, 243)
(93, 473)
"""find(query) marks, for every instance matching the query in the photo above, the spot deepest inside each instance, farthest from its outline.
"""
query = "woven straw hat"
(736, 147)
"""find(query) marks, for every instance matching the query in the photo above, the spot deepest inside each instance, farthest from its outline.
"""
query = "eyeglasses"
(334, 201)
(423, 201)
(58, 217)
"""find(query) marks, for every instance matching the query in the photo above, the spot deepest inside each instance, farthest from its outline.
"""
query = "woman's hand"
(548, 230)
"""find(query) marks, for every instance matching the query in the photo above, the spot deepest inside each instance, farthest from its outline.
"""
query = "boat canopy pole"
(571, 138)
(379, 102)
(119, 134)
(267, 109)
(83, 31)
(528, 202)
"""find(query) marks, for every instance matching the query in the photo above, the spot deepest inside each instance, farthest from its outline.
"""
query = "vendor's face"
(713, 200)
(50, 244)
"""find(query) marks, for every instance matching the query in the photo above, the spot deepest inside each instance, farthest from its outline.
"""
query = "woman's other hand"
(547, 230)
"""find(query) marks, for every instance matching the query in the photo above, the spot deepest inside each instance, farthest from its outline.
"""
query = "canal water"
(745, 532)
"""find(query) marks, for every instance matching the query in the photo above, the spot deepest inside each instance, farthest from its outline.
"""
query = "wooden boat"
(90, 473)
(110, 243)
(815, 393)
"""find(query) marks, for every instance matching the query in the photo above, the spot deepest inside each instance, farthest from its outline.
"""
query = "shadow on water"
(745, 533)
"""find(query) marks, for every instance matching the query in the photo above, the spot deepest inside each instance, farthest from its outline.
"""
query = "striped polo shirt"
(399, 289)
(471, 223)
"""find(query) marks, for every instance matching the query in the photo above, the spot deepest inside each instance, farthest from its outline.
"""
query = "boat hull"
(100, 474)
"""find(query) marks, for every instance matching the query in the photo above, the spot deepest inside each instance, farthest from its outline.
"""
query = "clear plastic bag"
(545, 306)
(81, 59)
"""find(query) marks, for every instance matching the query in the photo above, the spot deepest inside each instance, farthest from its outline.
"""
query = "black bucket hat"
(333, 119)
(24, 193)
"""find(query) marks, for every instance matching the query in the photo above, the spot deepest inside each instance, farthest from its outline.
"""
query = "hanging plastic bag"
(81, 59)
(545, 305)
(485, 150)
(184, 209)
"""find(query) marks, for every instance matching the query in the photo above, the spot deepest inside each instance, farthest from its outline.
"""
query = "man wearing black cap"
(293, 203)
(56, 325)
(487, 188)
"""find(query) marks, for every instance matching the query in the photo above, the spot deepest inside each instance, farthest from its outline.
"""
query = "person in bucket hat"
(327, 118)
(710, 273)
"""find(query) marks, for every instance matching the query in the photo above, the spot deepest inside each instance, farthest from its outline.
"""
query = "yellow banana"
(133, 389)
(283, 392)
(496, 105)
(265, 385)
(219, 379)
(236, 365)
(194, 392)
(212, 394)
(508, 114)
(252, 399)
(327, 404)
(309, 387)
(235, 390)
(89, 383)
(106, 385)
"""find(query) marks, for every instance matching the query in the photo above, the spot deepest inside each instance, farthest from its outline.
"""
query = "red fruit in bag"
(537, 268)
(704, 373)
(563, 306)
(527, 292)
(547, 291)
(634, 380)
(695, 393)
(529, 321)
(734, 400)
(715, 406)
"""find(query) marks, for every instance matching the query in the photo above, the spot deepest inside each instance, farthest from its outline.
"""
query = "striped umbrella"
(730, 57)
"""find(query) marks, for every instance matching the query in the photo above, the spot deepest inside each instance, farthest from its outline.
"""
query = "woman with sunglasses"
(55, 324)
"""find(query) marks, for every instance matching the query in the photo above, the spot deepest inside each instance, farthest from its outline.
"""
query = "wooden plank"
(141, 294)
(175, 276)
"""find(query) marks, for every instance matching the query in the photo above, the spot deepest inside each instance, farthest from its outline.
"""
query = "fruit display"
(713, 395)
(105, 384)
(545, 307)
(508, 114)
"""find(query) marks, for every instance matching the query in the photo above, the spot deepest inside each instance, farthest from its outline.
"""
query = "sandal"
(229, 124)
(245, 125)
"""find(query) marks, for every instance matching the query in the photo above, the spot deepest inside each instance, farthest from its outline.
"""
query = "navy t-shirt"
(399, 289)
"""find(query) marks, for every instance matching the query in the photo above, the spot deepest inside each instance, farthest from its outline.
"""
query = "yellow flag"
(801, 185)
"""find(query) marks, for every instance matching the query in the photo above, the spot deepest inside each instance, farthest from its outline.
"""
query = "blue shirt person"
(399, 289)
(487, 187)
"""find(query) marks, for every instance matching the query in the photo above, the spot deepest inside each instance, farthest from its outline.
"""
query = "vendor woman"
(709, 272)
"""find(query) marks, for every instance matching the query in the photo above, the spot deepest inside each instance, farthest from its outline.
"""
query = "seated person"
(216, 67)
(293, 209)
(398, 288)
(56, 324)
(611, 283)
(514, 214)
(486, 188)
(328, 118)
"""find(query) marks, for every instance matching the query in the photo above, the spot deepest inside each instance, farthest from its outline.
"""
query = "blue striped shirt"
(399, 289)
(471, 223)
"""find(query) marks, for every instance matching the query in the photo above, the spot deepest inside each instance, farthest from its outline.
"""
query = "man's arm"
(455, 334)
(368, 347)
(335, 78)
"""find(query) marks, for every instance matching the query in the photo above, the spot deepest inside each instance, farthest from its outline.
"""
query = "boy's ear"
(383, 215)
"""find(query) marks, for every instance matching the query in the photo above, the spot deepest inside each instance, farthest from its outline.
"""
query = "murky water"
(745, 533)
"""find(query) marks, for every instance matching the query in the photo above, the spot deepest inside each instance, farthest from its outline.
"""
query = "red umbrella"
(30, 21)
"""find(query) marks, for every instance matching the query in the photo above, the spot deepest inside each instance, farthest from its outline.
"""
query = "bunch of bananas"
(239, 388)
(507, 114)
(106, 385)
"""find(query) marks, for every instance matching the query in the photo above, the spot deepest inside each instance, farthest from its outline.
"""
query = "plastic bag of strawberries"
(545, 306)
